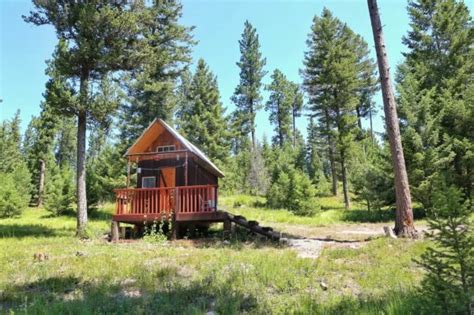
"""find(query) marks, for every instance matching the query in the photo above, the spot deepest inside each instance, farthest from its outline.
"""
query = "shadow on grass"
(94, 214)
(392, 302)
(238, 239)
(375, 216)
(71, 295)
(25, 230)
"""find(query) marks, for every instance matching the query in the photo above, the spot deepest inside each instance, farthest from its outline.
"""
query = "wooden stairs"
(254, 226)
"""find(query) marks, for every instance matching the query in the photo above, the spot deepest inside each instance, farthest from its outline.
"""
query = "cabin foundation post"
(227, 228)
(174, 231)
(114, 233)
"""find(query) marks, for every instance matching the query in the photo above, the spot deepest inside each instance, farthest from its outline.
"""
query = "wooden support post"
(227, 227)
(114, 231)
(186, 170)
(128, 173)
(175, 231)
(123, 232)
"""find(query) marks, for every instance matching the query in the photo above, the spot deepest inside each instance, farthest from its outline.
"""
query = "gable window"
(165, 148)
(148, 182)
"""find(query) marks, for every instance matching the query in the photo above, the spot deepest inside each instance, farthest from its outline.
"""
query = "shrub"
(293, 190)
(12, 199)
(449, 282)
(59, 191)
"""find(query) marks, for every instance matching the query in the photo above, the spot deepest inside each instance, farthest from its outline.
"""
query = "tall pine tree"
(333, 76)
(435, 85)
(166, 53)
(247, 98)
(280, 105)
(202, 117)
(95, 38)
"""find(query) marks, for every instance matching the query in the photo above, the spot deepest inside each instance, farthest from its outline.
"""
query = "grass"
(332, 212)
(194, 277)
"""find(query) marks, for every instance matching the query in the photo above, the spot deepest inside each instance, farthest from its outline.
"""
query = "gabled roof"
(150, 130)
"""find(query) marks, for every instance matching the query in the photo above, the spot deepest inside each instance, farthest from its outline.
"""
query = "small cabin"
(175, 180)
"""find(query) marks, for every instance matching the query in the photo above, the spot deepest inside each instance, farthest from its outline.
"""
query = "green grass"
(332, 211)
(194, 277)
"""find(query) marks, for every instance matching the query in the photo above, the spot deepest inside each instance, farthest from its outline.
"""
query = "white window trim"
(166, 148)
(147, 177)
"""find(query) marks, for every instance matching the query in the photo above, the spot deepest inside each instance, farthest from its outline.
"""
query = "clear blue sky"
(282, 26)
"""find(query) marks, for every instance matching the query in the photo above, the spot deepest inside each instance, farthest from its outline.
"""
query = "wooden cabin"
(175, 181)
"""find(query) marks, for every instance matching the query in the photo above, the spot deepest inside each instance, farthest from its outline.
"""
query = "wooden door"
(168, 177)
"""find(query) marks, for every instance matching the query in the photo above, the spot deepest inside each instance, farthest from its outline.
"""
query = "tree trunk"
(280, 131)
(345, 187)
(81, 162)
(294, 128)
(332, 159)
(252, 124)
(39, 203)
(359, 118)
(371, 126)
(404, 215)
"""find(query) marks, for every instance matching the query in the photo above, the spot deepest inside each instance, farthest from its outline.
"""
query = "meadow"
(243, 274)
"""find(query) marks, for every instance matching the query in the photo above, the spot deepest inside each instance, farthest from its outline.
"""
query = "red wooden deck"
(187, 203)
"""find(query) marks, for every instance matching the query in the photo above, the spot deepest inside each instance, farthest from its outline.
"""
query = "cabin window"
(149, 182)
(166, 148)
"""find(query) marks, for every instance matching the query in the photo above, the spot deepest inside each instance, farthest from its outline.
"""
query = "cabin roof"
(149, 134)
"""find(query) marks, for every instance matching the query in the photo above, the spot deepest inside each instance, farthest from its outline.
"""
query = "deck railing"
(166, 200)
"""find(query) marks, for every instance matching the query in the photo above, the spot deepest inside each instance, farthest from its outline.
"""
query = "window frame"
(166, 148)
(148, 177)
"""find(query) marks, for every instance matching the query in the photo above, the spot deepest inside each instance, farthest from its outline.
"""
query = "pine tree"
(257, 178)
(65, 145)
(59, 191)
(38, 149)
(15, 177)
(316, 167)
(449, 263)
(297, 106)
(247, 98)
(435, 95)
(202, 119)
(332, 80)
(372, 178)
(152, 85)
(280, 105)
(95, 38)
(290, 187)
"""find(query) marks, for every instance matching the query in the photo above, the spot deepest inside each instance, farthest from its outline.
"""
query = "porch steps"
(254, 226)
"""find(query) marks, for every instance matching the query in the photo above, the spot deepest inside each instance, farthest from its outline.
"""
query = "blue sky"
(282, 27)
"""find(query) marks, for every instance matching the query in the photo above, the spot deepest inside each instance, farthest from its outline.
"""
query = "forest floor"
(335, 262)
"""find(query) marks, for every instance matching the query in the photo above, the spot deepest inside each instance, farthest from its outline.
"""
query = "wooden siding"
(197, 175)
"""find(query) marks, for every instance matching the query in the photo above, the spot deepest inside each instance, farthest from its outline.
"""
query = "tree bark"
(39, 202)
(345, 187)
(404, 225)
(332, 159)
(81, 162)
(252, 124)
(371, 126)
(294, 128)
(359, 118)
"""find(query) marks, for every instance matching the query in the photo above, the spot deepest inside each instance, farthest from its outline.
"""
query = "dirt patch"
(311, 248)
(338, 232)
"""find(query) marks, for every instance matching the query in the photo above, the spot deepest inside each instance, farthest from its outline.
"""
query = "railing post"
(215, 191)
(177, 200)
